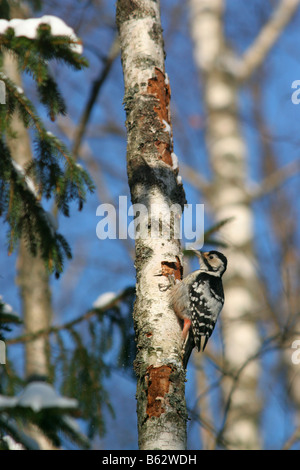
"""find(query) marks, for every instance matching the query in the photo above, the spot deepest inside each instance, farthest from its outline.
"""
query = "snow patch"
(4, 24)
(37, 396)
(28, 181)
(174, 161)
(104, 299)
(12, 444)
(167, 127)
(28, 28)
(6, 308)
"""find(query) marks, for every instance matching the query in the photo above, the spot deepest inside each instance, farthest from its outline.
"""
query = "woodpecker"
(198, 300)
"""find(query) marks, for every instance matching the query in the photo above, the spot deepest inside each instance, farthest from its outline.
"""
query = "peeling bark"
(153, 183)
(158, 381)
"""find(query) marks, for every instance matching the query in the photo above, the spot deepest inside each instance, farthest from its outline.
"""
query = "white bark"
(32, 277)
(222, 73)
(153, 183)
(228, 156)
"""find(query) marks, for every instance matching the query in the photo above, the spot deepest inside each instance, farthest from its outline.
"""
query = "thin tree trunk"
(222, 73)
(285, 308)
(32, 276)
(152, 175)
(227, 153)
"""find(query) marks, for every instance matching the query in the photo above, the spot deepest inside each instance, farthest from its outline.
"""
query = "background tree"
(223, 73)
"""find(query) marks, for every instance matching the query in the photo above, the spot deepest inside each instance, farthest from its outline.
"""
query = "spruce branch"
(26, 217)
(55, 174)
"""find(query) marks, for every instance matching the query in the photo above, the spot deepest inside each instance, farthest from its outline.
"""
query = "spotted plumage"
(198, 300)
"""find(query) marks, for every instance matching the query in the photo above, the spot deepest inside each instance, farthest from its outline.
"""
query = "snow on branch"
(29, 28)
(38, 396)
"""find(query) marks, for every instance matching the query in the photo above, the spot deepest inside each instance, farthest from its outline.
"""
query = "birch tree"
(284, 307)
(32, 276)
(222, 74)
(153, 182)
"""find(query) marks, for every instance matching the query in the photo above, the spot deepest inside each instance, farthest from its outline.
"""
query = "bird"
(198, 299)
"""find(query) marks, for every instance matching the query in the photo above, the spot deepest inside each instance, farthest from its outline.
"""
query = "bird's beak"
(200, 254)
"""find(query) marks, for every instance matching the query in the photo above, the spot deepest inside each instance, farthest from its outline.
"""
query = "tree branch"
(66, 326)
(275, 180)
(256, 53)
(194, 178)
(97, 84)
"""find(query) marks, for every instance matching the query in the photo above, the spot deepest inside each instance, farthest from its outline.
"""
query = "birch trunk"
(285, 309)
(152, 176)
(228, 157)
(32, 277)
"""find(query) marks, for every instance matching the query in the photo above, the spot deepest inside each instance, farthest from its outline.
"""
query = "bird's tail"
(188, 348)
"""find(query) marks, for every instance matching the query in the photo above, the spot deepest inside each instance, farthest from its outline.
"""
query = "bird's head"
(212, 261)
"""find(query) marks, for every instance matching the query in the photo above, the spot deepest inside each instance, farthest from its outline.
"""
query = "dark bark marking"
(126, 9)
